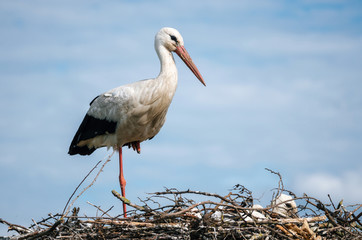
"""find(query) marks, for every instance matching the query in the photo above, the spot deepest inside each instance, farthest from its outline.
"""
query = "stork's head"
(285, 206)
(172, 40)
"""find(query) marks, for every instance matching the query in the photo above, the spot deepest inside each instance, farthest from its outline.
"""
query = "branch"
(100, 170)
(18, 228)
(195, 192)
(128, 202)
(104, 213)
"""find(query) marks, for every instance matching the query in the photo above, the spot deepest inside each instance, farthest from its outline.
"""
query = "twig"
(356, 209)
(105, 213)
(195, 192)
(280, 183)
(38, 234)
(179, 213)
(18, 228)
(100, 170)
(134, 224)
(76, 189)
(128, 202)
(321, 206)
(98, 208)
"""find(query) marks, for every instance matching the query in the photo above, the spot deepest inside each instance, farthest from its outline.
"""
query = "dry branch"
(75, 199)
(174, 214)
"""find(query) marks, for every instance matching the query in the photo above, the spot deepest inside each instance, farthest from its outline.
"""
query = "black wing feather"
(90, 128)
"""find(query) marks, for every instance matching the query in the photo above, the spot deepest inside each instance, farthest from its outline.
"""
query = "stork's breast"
(152, 119)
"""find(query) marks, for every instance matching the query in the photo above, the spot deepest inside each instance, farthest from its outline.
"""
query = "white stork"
(130, 114)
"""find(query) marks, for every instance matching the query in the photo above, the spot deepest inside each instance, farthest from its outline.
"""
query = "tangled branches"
(175, 214)
(220, 217)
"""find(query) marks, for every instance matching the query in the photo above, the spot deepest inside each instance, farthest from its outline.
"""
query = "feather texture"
(134, 112)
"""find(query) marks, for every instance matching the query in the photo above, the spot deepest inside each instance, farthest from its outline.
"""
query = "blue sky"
(283, 92)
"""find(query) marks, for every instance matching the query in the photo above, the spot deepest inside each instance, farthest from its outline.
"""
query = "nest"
(175, 214)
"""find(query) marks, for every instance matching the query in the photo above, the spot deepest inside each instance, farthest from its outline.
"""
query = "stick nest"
(174, 214)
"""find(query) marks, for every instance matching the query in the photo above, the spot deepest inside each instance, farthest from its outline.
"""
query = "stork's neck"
(168, 70)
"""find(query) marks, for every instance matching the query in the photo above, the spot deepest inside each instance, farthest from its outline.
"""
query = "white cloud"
(341, 185)
(307, 45)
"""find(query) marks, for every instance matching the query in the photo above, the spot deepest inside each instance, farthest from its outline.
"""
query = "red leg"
(122, 181)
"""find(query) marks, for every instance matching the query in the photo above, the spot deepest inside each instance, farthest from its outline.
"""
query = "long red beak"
(184, 55)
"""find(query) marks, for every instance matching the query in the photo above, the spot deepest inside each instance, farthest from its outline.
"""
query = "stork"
(132, 113)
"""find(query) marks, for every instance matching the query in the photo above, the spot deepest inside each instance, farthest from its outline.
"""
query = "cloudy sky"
(283, 92)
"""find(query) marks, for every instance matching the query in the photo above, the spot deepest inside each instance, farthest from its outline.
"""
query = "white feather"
(139, 108)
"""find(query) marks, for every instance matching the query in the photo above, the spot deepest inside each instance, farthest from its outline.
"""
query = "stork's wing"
(91, 126)
(110, 110)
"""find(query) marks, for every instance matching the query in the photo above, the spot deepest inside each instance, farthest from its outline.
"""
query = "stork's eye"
(288, 205)
(173, 38)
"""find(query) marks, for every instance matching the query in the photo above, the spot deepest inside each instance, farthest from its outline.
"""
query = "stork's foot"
(136, 146)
